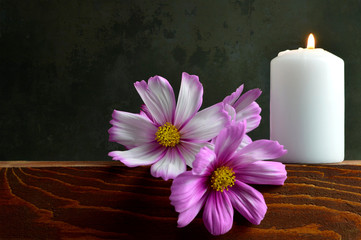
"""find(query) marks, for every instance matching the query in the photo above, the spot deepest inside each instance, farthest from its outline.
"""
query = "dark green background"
(65, 65)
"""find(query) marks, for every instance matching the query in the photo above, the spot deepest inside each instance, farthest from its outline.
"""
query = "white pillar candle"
(307, 105)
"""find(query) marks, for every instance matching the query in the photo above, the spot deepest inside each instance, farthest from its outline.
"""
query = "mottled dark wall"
(65, 65)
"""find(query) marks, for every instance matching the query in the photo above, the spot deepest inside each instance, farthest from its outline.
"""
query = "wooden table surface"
(106, 200)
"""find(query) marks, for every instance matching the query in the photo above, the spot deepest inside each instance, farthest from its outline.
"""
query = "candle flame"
(311, 42)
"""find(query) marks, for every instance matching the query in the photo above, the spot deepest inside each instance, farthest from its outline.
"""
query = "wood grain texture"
(115, 202)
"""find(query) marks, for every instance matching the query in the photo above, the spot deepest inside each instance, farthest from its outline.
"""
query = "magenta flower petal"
(245, 107)
(188, 215)
(251, 110)
(228, 140)
(187, 189)
(246, 99)
(145, 112)
(131, 130)
(189, 150)
(170, 166)
(202, 164)
(253, 122)
(189, 99)
(245, 141)
(206, 124)
(231, 99)
(262, 150)
(248, 202)
(139, 156)
(218, 213)
(231, 112)
(159, 98)
(251, 114)
(262, 172)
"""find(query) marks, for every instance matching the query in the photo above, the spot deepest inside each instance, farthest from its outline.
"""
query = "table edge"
(9, 164)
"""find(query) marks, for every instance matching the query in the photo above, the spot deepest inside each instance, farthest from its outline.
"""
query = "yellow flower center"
(167, 135)
(222, 178)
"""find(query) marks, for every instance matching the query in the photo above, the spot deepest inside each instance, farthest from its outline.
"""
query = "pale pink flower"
(220, 177)
(166, 135)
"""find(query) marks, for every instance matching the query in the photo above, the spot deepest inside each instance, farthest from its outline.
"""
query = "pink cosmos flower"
(243, 107)
(219, 178)
(166, 135)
